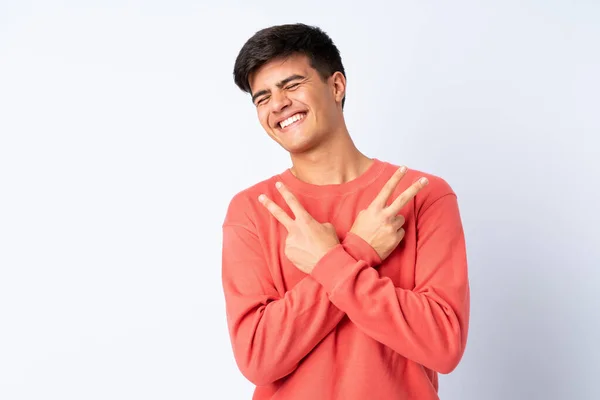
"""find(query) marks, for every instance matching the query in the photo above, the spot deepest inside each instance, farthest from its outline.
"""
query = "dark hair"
(282, 41)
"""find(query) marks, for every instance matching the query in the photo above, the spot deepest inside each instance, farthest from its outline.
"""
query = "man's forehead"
(274, 71)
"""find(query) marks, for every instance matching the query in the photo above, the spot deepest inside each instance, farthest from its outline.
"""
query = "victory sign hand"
(307, 240)
(381, 225)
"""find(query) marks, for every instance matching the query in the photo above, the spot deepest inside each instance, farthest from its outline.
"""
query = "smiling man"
(345, 276)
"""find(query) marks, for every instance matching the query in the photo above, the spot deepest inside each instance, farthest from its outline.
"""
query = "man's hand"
(380, 225)
(308, 240)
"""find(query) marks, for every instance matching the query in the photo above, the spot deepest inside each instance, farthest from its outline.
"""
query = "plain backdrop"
(123, 138)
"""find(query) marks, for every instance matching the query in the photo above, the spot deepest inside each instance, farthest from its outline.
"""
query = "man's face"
(295, 106)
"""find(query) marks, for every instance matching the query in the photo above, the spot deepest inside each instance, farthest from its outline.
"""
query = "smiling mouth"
(293, 120)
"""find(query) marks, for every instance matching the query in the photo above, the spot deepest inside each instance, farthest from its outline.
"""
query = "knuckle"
(387, 215)
(303, 219)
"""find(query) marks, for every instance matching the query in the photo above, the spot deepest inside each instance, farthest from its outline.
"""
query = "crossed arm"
(271, 334)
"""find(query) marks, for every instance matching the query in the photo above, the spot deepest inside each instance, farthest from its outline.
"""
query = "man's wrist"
(328, 270)
(359, 249)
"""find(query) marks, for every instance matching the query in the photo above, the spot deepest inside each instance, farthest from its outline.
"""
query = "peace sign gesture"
(308, 240)
(379, 224)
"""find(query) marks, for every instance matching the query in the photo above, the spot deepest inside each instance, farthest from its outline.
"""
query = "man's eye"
(261, 101)
(292, 86)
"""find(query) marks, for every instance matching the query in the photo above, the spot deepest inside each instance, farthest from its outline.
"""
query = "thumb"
(330, 227)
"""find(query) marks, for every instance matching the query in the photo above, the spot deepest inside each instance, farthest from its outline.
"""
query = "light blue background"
(123, 137)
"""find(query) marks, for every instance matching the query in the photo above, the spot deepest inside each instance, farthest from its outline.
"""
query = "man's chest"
(399, 266)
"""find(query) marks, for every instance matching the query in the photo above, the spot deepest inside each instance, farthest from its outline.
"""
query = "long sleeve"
(270, 333)
(427, 324)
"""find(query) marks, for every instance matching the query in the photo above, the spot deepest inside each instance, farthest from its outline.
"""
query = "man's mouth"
(292, 120)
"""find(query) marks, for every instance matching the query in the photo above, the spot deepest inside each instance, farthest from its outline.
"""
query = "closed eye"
(262, 100)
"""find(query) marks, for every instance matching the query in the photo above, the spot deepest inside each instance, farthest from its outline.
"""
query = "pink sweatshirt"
(356, 328)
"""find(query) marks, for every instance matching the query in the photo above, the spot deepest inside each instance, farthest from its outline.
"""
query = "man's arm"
(427, 324)
(270, 334)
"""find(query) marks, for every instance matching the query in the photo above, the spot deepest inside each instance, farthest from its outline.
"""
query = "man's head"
(296, 78)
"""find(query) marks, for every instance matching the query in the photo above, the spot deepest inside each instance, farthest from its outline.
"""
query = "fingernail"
(403, 169)
(278, 185)
(424, 181)
(261, 198)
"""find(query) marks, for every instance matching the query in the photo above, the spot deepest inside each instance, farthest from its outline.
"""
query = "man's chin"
(299, 148)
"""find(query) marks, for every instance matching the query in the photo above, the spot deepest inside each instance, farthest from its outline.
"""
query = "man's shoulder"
(437, 185)
(244, 206)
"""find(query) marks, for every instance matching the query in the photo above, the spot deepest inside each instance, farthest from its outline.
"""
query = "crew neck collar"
(295, 184)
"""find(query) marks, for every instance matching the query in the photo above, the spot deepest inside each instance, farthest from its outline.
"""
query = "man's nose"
(279, 101)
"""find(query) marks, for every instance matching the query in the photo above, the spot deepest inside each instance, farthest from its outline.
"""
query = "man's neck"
(332, 163)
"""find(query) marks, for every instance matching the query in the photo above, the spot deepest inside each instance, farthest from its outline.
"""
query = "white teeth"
(291, 120)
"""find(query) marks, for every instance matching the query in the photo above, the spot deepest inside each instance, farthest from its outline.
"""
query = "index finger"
(291, 200)
(382, 197)
(279, 214)
(407, 195)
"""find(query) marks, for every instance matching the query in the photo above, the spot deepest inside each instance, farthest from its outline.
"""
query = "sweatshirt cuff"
(332, 268)
(359, 249)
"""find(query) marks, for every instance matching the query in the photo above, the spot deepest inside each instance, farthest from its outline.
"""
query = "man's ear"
(338, 85)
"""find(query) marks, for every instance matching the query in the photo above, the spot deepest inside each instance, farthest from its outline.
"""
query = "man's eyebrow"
(280, 84)
(287, 80)
(258, 94)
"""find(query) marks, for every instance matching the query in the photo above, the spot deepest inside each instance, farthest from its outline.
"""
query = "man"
(345, 277)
